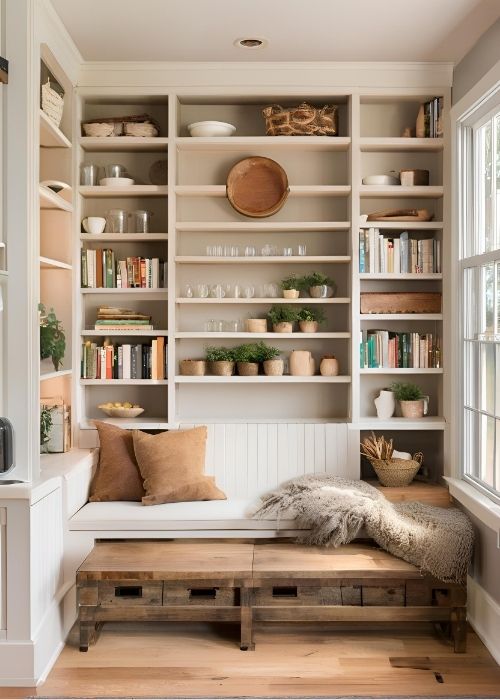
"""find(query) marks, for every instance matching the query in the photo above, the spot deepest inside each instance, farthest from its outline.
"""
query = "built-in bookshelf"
(326, 212)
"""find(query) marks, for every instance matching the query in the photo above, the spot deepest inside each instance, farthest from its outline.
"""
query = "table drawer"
(129, 593)
(282, 595)
(201, 595)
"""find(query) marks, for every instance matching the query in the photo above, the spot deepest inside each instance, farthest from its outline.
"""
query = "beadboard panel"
(248, 459)
(46, 554)
(3, 571)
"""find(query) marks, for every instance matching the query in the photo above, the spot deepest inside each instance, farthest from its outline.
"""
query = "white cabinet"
(3, 572)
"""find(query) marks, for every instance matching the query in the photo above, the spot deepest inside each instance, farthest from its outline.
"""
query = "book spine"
(362, 251)
(126, 361)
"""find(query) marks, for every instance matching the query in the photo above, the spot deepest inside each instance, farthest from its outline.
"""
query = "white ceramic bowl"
(209, 128)
(381, 180)
(121, 412)
(116, 181)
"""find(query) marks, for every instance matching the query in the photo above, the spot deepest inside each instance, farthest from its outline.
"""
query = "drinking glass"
(266, 250)
(273, 290)
(115, 170)
(287, 251)
(188, 291)
(249, 251)
(238, 291)
(202, 291)
(302, 249)
(248, 291)
(89, 174)
(141, 220)
(116, 221)
(211, 250)
(235, 251)
(217, 291)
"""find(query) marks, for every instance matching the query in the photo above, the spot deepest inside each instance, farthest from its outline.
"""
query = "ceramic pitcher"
(302, 363)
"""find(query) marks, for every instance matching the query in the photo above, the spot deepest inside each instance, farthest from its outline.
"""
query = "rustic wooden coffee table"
(155, 581)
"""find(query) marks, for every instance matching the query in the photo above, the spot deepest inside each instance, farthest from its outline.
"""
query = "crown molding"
(52, 31)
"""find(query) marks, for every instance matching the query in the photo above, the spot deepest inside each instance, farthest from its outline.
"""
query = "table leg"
(459, 630)
(246, 643)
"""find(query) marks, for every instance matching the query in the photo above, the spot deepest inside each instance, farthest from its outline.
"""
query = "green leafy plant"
(315, 279)
(282, 313)
(406, 391)
(52, 338)
(249, 352)
(308, 313)
(290, 282)
(45, 424)
(267, 352)
(216, 354)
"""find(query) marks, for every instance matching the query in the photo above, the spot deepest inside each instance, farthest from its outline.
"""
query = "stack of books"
(126, 361)
(381, 348)
(398, 254)
(110, 318)
(100, 268)
(433, 118)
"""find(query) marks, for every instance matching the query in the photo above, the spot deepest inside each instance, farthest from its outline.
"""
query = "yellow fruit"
(117, 404)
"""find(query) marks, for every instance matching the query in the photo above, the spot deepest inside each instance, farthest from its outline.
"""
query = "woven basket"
(397, 472)
(304, 120)
(52, 103)
(222, 368)
(248, 369)
(144, 129)
(193, 368)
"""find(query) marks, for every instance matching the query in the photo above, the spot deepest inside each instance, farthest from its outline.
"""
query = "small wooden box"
(401, 303)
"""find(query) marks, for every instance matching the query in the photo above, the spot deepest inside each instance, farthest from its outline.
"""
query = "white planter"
(385, 403)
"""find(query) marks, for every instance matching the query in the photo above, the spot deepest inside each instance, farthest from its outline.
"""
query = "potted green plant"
(247, 359)
(45, 426)
(290, 287)
(221, 360)
(52, 338)
(412, 401)
(318, 285)
(272, 362)
(282, 318)
(310, 318)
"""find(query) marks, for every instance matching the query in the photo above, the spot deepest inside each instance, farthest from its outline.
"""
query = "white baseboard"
(484, 615)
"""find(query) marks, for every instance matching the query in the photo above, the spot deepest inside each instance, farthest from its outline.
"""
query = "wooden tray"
(257, 187)
(400, 303)
(401, 215)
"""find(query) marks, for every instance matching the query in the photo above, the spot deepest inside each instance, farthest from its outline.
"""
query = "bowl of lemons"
(115, 409)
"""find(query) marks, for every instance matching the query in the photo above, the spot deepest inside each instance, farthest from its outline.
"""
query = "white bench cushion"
(233, 514)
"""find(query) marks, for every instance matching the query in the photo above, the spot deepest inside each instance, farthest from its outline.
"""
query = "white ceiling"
(297, 30)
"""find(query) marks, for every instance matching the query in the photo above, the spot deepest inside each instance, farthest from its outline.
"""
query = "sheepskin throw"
(437, 540)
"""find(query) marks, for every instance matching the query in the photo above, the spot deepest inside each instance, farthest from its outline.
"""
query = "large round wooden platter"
(257, 186)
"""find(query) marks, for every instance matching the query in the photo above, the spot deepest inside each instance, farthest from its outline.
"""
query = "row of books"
(381, 348)
(110, 318)
(397, 254)
(100, 268)
(433, 118)
(124, 361)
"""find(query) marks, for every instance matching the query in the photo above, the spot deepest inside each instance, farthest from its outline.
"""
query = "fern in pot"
(220, 360)
(318, 285)
(52, 338)
(310, 318)
(291, 287)
(282, 318)
(412, 401)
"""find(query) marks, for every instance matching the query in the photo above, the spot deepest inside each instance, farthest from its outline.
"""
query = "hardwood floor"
(191, 659)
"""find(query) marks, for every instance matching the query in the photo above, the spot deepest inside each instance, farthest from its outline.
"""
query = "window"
(480, 308)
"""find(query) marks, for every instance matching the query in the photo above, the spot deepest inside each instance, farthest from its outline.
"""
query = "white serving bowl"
(116, 181)
(209, 128)
(121, 412)
(381, 180)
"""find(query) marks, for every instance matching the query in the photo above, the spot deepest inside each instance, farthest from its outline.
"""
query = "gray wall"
(474, 65)
(483, 56)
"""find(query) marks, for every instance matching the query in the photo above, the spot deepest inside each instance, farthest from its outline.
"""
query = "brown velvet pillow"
(172, 465)
(117, 477)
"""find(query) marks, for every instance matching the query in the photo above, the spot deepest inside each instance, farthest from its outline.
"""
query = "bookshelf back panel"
(389, 116)
(152, 398)
(55, 241)
(330, 243)
(107, 107)
(138, 165)
(429, 442)
(156, 309)
(294, 209)
(55, 292)
(157, 205)
(431, 385)
(385, 163)
(370, 205)
(59, 386)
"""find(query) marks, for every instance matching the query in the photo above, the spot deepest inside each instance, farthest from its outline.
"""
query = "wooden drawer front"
(298, 595)
(201, 595)
(383, 595)
(127, 593)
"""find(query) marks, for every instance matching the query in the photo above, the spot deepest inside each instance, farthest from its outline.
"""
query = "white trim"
(476, 502)
(476, 95)
(484, 616)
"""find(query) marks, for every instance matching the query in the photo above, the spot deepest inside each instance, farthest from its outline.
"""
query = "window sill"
(477, 503)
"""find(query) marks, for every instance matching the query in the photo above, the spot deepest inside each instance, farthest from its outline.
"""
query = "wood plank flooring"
(203, 660)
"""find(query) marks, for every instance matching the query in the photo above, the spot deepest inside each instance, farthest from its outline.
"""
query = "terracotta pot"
(256, 325)
(193, 368)
(291, 293)
(248, 369)
(308, 326)
(222, 368)
(414, 409)
(274, 368)
(329, 366)
(302, 363)
(283, 327)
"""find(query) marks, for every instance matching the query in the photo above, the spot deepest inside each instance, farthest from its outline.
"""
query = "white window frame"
(473, 107)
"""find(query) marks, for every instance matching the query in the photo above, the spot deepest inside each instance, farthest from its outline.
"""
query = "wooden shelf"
(125, 237)
(50, 264)
(123, 382)
(403, 225)
(295, 190)
(109, 333)
(401, 276)
(137, 291)
(401, 317)
(263, 226)
(139, 423)
(261, 379)
(425, 423)
(423, 192)
(401, 370)
(275, 336)
(258, 300)
(50, 200)
(50, 135)
(54, 375)
(110, 144)
(101, 191)
(235, 143)
(370, 144)
(261, 259)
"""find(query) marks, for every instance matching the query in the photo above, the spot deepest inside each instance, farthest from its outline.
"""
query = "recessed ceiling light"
(251, 43)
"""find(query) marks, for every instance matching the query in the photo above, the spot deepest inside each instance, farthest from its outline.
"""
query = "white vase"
(385, 403)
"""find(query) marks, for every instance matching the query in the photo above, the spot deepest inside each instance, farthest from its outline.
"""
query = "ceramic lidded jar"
(329, 366)
(301, 363)
(385, 403)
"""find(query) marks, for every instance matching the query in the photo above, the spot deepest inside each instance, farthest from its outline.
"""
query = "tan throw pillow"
(117, 477)
(172, 465)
